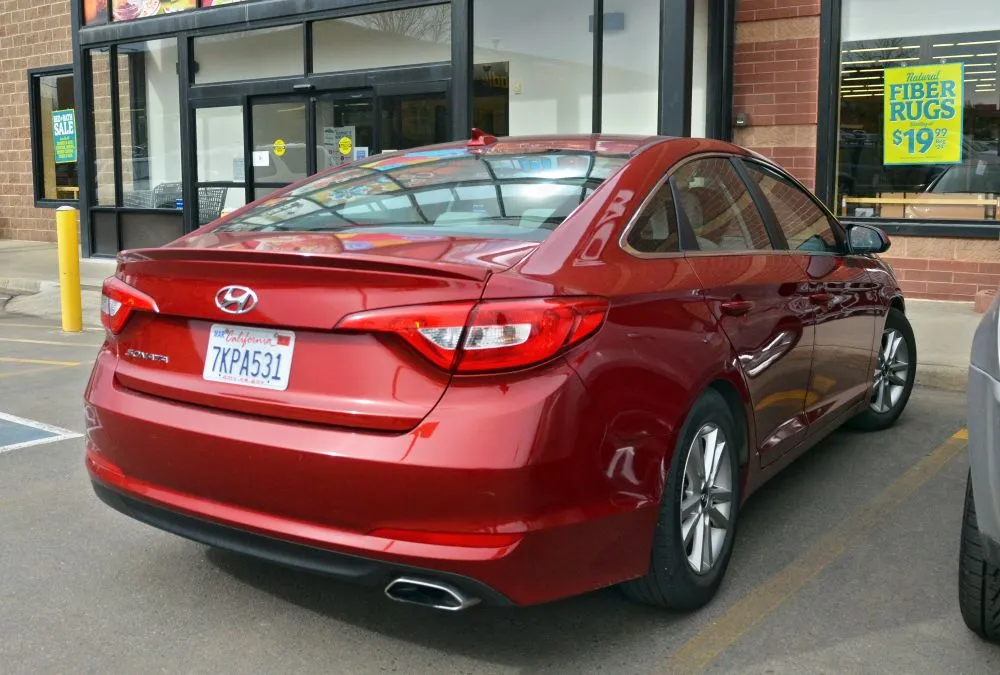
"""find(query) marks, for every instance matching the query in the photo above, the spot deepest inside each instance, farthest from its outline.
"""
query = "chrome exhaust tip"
(433, 594)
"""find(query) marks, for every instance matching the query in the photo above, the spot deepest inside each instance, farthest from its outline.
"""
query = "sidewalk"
(29, 282)
(29, 272)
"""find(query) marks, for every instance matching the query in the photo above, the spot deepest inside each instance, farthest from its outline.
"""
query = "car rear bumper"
(366, 571)
(505, 460)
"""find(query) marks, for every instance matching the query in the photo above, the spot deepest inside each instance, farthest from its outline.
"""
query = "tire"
(672, 582)
(978, 580)
(895, 389)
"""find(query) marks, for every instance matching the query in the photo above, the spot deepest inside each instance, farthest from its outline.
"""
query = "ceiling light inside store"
(879, 49)
(956, 56)
(858, 79)
(981, 42)
(858, 63)
(911, 58)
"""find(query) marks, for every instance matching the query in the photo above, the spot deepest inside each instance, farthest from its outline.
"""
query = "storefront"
(910, 141)
(185, 112)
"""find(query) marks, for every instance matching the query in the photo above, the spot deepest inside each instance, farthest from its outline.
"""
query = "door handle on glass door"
(736, 307)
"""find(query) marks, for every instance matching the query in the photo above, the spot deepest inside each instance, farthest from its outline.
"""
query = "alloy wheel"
(706, 498)
(891, 372)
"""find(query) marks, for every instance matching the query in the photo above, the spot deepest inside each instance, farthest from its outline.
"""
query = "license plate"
(253, 357)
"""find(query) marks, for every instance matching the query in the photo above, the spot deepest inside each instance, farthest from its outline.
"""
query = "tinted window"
(719, 207)
(450, 192)
(655, 231)
(805, 225)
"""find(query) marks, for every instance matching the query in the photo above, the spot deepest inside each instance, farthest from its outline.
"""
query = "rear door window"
(718, 207)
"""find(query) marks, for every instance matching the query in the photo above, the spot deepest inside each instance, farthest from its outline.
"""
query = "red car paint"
(539, 482)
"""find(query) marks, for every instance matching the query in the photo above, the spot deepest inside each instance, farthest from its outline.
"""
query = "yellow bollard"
(68, 236)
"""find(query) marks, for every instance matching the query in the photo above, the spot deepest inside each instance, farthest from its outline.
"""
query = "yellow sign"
(279, 148)
(345, 145)
(923, 114)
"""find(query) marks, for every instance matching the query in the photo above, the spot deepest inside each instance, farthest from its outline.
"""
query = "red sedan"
(507, 370)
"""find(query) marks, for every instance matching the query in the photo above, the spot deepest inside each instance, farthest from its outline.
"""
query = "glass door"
(408, 120)
(345, 127)
(279, 140)
(292, 137)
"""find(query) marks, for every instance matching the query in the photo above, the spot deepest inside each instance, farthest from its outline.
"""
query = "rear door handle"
(820, 298)
(737, 307)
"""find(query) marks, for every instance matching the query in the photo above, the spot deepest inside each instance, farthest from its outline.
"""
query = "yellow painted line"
(32, 371)
(698, 652)
(39, 362)
(50, 342)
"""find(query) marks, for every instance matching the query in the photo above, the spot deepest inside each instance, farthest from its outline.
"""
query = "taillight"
(119, 300)
(488, 336)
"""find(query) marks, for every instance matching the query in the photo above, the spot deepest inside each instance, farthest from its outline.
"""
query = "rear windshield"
(453, 192)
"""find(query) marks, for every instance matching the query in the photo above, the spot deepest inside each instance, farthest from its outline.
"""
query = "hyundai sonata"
(502, 370)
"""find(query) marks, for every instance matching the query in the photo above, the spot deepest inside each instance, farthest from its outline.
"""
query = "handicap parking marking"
(17, 433)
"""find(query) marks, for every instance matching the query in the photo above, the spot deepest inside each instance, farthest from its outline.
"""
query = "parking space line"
(706, 645)
(39, 362)
(32, 371)
(51, 342)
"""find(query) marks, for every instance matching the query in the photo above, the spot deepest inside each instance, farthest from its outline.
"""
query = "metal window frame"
(676, 67)
(674, 76)
(827, 129)
(35, 130)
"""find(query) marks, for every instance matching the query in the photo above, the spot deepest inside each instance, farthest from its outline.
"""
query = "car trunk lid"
(191, 351)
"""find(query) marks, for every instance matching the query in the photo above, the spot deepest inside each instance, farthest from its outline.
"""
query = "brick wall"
(776, 76)
(33, 34)
(945, 269)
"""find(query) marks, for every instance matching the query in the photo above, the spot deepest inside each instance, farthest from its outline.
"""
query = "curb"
(945, 378)
(16, 286)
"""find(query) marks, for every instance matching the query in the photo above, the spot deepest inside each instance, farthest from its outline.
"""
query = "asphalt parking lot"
(846, 563)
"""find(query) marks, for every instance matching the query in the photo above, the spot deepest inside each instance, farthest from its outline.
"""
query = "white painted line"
(60, 434)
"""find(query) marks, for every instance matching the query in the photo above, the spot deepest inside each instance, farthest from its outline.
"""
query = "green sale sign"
(64, 135)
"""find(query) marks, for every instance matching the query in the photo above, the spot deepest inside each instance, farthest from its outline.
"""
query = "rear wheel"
(697, 525)
(978, 580)
(894, 373)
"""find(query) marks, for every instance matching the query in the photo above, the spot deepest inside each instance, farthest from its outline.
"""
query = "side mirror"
(864, 240)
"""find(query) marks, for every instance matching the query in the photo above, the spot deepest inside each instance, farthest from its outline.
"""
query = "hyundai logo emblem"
(235, 299)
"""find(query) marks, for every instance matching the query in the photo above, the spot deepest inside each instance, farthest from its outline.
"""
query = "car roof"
(601, 144)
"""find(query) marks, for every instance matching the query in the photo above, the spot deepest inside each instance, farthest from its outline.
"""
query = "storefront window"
(249, 55)
(534, 66)
(54, 127)
(630, 82)
(400, 38)
(920, 110)
(221, 164)
(149, 125)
